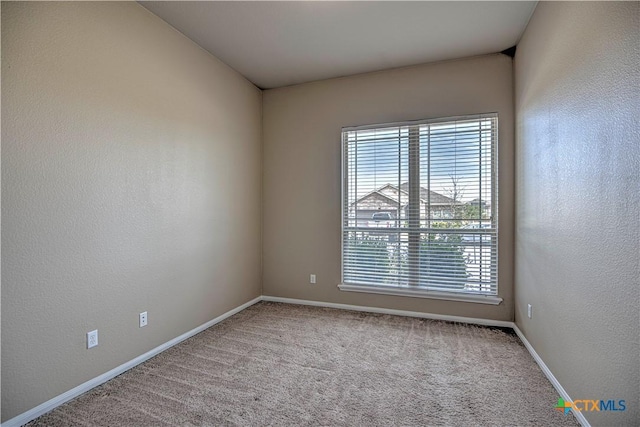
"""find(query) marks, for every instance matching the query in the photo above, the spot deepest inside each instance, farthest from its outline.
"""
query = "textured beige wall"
(130, 181)
(578, 209)
(301, 162)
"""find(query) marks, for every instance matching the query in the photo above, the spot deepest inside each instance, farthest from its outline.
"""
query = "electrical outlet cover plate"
(143, 319)
(92, 339)
(529, 311)
(312, 278)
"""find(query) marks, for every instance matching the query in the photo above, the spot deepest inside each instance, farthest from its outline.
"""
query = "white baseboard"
(552, 379)
(47, 406)
(472, 320)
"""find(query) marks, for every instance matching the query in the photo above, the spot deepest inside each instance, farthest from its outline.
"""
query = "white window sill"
(416, 292)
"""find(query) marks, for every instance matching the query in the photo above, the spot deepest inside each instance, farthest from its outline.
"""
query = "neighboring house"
(394, 200)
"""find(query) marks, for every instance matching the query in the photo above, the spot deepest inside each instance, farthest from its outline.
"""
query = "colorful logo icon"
(564, 406)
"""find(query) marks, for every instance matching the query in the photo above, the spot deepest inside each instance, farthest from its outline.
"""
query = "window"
(420, 208)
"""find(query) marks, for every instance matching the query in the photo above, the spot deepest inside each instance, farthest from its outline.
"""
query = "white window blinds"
(420, 205)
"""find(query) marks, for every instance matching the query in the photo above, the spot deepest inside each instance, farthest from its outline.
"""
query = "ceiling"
(276, 44)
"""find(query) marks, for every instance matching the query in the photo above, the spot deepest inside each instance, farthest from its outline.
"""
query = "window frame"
(410, 290)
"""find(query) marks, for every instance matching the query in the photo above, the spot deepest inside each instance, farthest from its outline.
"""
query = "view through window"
(420, 205)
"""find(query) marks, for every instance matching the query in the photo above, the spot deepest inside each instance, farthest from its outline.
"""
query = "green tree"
(469, 211)
(370, 255)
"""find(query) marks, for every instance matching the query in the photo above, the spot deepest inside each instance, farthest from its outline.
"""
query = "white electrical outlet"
(92, 339)
(529, 310)
(312, 279)
(143, 319)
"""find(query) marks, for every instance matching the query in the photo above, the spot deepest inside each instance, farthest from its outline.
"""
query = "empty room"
(320, 213)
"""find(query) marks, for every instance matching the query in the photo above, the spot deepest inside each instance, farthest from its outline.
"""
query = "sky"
(448, 152)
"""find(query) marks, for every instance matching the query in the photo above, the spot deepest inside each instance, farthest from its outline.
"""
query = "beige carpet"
(276, 364)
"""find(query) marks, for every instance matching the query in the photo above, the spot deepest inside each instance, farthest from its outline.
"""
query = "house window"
(420, 208)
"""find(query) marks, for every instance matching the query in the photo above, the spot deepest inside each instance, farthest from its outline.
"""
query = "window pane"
(377, 161)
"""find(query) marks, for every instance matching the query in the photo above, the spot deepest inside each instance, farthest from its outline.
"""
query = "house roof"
(392, 195)
(435, 198)
(377, 201)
